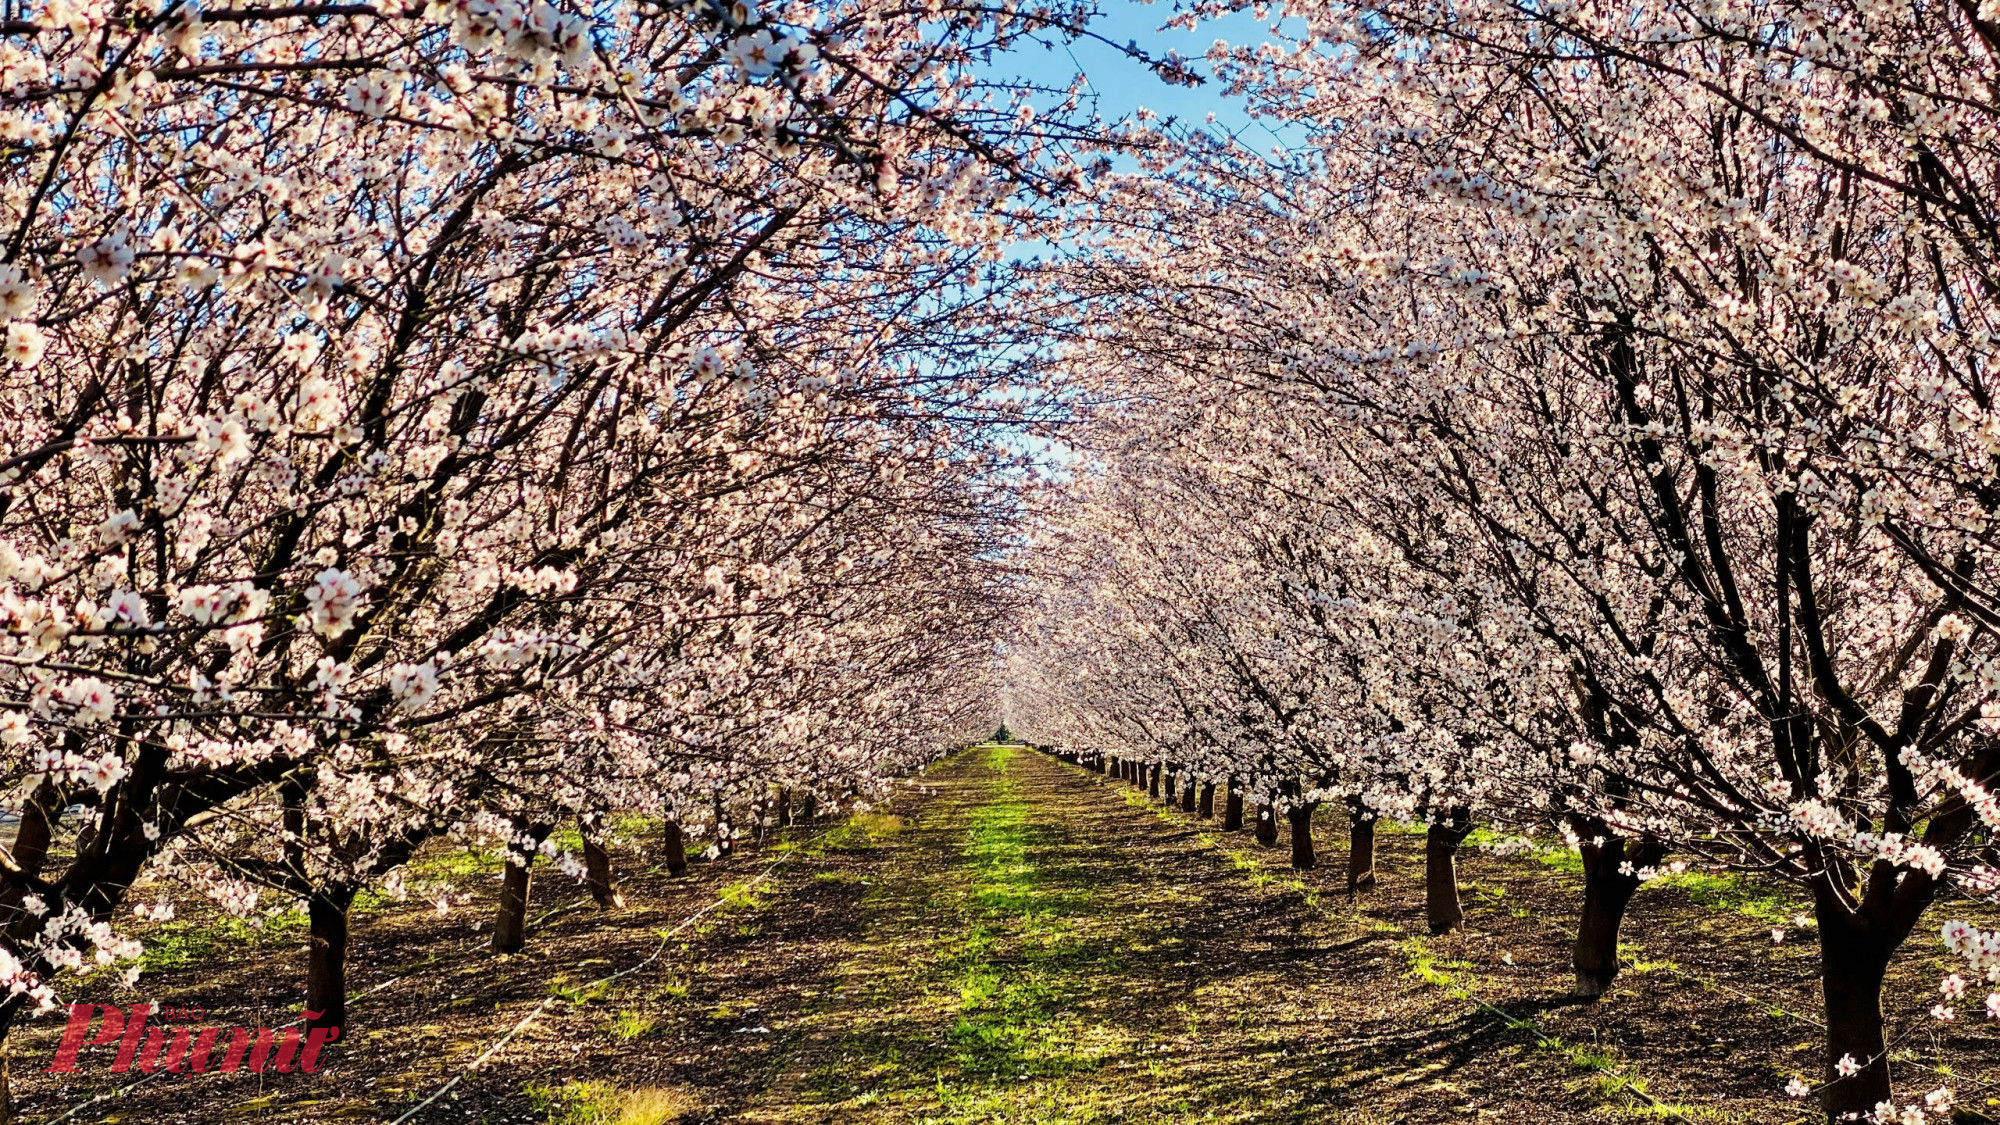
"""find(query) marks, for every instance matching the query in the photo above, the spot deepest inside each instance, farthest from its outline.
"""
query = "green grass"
(629, 1025)
(601, 1103)
(1771, 904)
(180, 943)
(742, 896)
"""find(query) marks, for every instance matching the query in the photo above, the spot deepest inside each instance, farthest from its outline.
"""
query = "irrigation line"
(129, 1087)
(536, 1012)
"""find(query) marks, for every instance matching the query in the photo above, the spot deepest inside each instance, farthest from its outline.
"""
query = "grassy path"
(1038, 950)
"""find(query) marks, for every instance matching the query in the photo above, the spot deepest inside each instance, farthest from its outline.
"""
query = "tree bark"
(1360, 847)
(677, 860)
(1441, 842)
(510, 922)
(1168, 790)
(1301, 818)
(1205, 807)
(1267, 825)
(326, 956)
(784, 808)
(1153, 782)
(1853, 959)
(1606, 893)
(31, 844)
(598, 875)
(1187, 794)
(1232, 807)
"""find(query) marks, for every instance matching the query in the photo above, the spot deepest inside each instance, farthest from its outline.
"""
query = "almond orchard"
(629, 442)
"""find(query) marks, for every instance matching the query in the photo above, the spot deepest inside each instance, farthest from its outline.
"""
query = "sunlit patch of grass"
(183, 942)
(1425, 965)
(878, 824)
(741, 896)
(601, 1103)
(562, 988)
(456, 863)
(858, 831)
(1738, 894)
(629, 1025)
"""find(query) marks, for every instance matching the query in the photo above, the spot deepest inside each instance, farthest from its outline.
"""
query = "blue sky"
(1121, 85)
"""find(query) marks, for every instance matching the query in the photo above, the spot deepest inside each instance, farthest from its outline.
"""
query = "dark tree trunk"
(1853, 958)
(326, 956)
(677, 859)
(1205, 807)
(784, 808)
(1360, 847)
(1153, 782)
(31, 844)
(598, 874)
(1168, 790)
(1441, 841)
(1301, 818)
(510, 923)
(1606, 893)
(1267, 825)
(1187, 795)
(808, 807)
(1232, 807)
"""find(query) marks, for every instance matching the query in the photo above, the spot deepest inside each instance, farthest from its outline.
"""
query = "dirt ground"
(1014, 940)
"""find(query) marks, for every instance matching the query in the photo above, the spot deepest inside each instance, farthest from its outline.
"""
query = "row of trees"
(1584, 424)
(455, 420)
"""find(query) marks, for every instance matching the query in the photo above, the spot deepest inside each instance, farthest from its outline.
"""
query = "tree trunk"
(1267, 825)
(677, 859)
(1606, 893)
(1205, 807)
(326, 956)
(784, 808)
(510, 923)
(1853, 960)
(31, 844)
(1187, 795)
(1301, 817)
(1168, 790)
(1360, 847)
(599, 876)
(808, 807)
(1153, 782)
(1441, 841)
(1232, 807)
